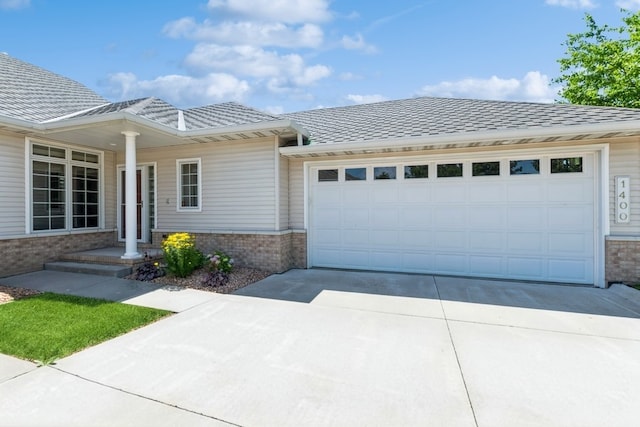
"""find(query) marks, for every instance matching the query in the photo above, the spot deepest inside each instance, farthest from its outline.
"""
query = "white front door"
(530, 217)
(145, 179)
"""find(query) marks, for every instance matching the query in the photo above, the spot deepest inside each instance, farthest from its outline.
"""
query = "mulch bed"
(8, 294)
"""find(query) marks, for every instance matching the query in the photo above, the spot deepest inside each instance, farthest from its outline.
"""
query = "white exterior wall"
(284, 192)
(238, 186)
(296, 194)
(110, 189)
(12, 186)
(624, 159)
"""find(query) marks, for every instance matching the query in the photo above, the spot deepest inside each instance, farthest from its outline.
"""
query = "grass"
(50, 326)
(636, 286)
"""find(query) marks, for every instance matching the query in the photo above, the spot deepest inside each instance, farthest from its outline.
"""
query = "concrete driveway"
(338, 348)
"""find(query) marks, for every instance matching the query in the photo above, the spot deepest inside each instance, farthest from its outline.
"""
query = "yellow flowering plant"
(181, 255)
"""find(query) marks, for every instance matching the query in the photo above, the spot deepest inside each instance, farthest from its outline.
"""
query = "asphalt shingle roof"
(426, 116)
(225, 114)
(31, 93)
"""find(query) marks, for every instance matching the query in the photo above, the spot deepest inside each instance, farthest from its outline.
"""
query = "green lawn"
(50, 326)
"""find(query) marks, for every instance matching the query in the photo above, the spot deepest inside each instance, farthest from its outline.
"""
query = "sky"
(285, 55)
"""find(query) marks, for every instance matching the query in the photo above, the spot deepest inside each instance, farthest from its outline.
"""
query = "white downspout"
(131, 217)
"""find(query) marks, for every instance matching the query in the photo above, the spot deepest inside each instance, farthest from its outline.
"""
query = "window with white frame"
(65, 188)
(189, 184)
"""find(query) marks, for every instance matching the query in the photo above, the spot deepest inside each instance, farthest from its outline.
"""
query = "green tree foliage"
(602, 65)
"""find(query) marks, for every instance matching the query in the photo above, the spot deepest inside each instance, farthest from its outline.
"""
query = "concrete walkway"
(405, 350)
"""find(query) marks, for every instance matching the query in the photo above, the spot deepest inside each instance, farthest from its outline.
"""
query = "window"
(355, 174)
(387, 172)
(485, 169)
(524, 167)
(449, 170)
(566, 165)
(189, 184)
(55, 205)
(418, 171)
(328, 175)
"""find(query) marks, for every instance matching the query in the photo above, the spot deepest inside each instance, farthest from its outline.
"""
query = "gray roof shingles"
(420, 117)
(31, 93)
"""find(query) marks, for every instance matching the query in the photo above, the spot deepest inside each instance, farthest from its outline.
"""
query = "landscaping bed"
(8, 294)
(238, 278)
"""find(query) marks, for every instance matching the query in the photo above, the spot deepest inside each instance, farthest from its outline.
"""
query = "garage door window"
(566, 165)
(418, 171)
(355, 174)
(450, 170)
(486, 169)
(328, 175)
(384, 172)
(524, 167)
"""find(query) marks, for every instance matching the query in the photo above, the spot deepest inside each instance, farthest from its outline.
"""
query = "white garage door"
(528, 217)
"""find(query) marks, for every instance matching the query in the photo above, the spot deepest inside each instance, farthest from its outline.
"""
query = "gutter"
(84, 122)
(631, 127)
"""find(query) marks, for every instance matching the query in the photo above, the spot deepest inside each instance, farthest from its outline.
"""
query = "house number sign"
(623, 196)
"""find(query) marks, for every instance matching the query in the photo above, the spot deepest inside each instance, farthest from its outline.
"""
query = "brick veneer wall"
(24, 255)
(622, 260)
(276, 253)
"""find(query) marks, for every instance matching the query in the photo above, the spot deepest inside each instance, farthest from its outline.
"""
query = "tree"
(602, 65)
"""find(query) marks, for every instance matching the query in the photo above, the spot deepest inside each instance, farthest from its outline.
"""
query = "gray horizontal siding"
(12, 186)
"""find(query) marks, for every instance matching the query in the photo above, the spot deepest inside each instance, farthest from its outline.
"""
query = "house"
(477, 188)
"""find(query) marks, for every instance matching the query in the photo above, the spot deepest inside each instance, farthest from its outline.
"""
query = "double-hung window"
(65, 188)
(189, 180)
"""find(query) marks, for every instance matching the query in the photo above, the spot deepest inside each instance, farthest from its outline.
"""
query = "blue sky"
(287, 55)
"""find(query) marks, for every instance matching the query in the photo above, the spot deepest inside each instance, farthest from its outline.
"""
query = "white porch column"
(131, 190)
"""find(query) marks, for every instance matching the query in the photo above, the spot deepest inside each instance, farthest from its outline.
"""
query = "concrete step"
(86, 268)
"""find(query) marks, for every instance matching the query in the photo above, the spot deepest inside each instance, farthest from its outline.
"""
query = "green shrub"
(220, 261)
(181, 255)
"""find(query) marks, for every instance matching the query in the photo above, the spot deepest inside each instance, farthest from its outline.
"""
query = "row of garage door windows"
(449, 170)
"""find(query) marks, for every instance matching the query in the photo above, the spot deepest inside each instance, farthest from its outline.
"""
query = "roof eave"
(459, 140)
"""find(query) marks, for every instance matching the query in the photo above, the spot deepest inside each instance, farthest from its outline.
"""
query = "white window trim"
(29, 157)
(179, 207)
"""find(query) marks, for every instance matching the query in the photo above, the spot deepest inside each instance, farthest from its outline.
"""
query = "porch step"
(86, 268)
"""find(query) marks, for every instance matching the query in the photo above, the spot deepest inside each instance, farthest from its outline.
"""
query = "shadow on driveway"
(305, 285)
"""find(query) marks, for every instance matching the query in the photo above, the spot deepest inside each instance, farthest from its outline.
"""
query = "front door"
(144, 202)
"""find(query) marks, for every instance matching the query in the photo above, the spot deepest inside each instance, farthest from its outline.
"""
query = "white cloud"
(288, 11)
(247, 33)
(366, 99)
(628, 4)
(14, 4)
(533, 87)
(357, 43)
(572, 4)
(179, 89)
(280, 70)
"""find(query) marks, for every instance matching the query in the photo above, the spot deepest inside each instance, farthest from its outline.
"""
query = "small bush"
(215, 279)
(181, 255)
(149, 271)
(220, 261)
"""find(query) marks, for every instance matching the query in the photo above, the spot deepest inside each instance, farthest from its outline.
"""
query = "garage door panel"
(418, 261)
(571, 217)
(415, 217)
(447, 216)
(353, 238)
(535, 227)
(487, 216)
(451, 263)
(529, 191)
(451, 239)
(386, 260)
(381, 238)
(567, 269)
(354, 217)
(487, 191)
(526, 268)
(486, 241)
(449, 192)
(486, 265)
(527, 217)
(570, 243)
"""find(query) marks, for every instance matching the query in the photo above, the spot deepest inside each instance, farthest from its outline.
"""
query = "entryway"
(145, 202)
